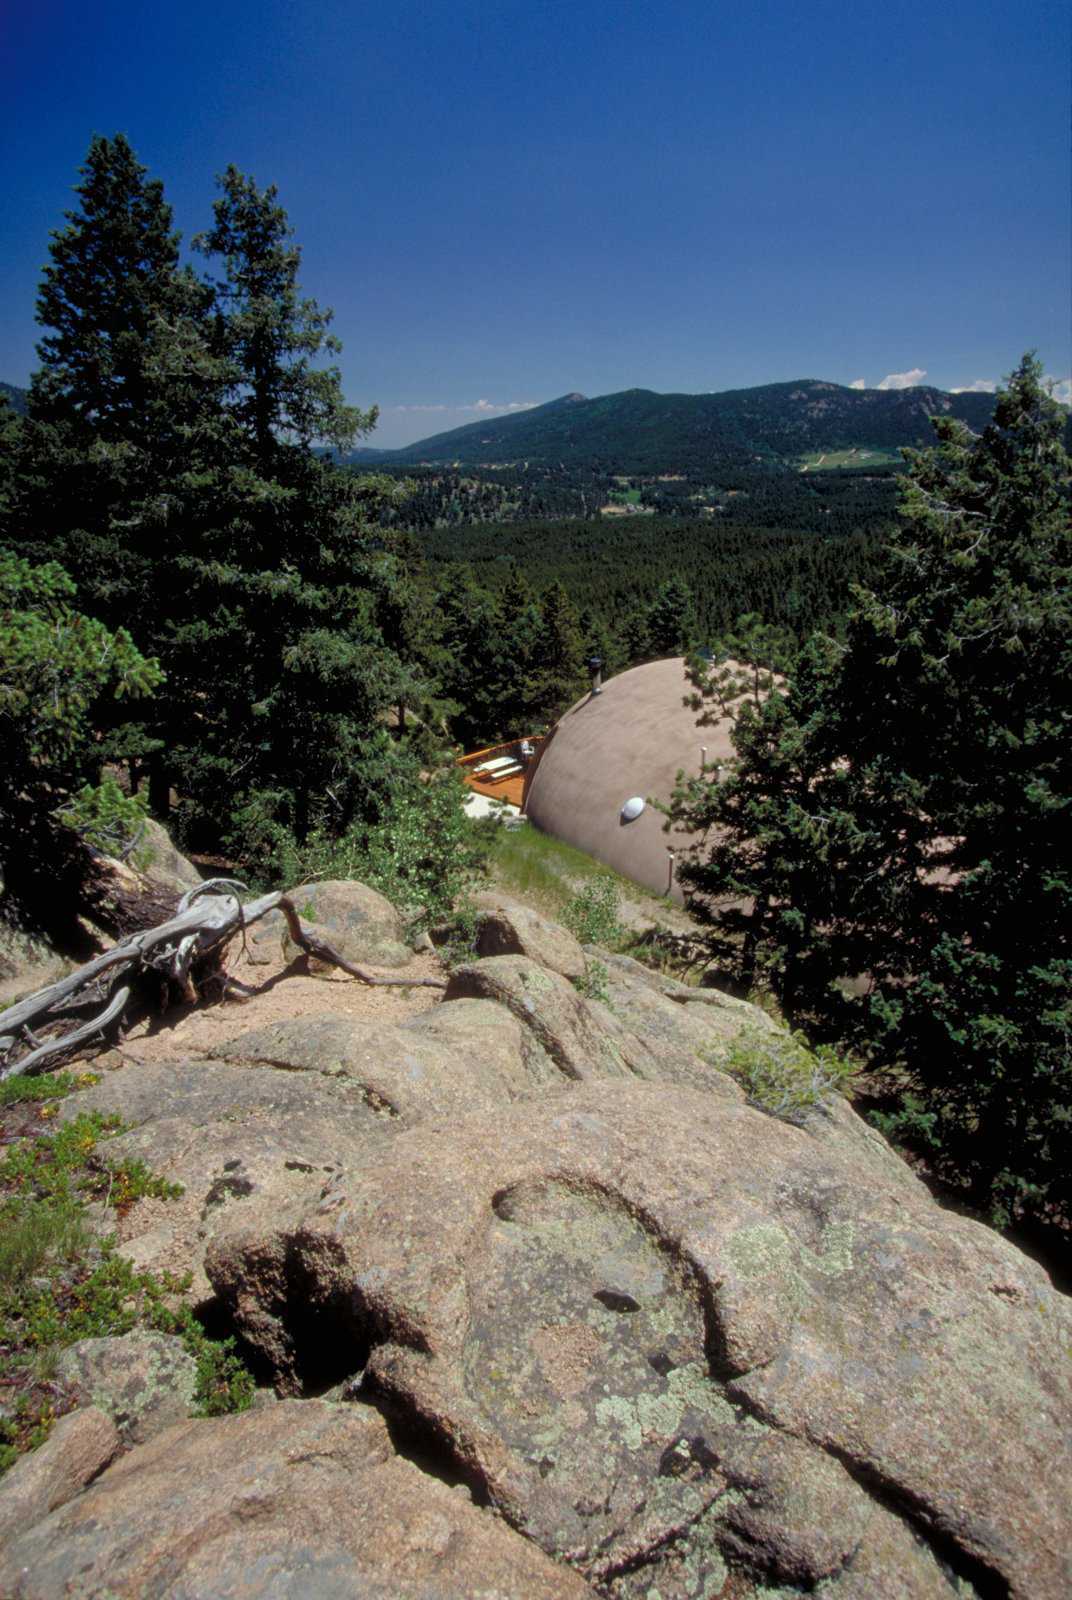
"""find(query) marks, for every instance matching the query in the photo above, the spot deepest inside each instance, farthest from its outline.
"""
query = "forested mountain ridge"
(638, 430)
(18, 399)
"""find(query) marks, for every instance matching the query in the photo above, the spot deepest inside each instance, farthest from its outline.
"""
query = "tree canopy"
(171, 465)
(891, 852)
(56, 664)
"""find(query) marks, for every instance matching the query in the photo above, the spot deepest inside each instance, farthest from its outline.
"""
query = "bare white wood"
(207, 916)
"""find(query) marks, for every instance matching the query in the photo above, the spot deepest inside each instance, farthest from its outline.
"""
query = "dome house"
(614, 751)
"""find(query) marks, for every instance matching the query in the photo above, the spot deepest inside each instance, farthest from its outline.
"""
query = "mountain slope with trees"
(18, 399)
(640, 431)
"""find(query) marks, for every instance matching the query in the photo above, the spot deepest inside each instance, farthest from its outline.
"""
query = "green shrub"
(59, 1284)
(424, 852)
(461, 929)
(66, 1166)
(421, 851)
(33, 1235)
(108, 819)
(594, 984)
(223, 1384)
(594, 914)
(910, 1124)
(784, 1076)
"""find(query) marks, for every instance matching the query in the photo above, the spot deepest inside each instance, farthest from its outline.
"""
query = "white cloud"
(903, 380)
(1060, 388)
(858, 383)
(483, 408)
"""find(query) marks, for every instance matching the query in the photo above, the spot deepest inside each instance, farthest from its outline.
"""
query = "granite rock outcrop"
(589, 1320)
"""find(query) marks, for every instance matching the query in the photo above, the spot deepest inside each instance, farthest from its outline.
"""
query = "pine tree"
(123, 385)
(110, 295)
(292, 575)
(517, 655)
(467, 641)
(170, 462)
(126, 392)
(671, 620)
(898, 821)
(561, 677)
(270, 334)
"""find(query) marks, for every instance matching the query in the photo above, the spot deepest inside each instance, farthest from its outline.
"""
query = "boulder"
(30, 961)
(28, 964)
(670, 1336)
(359, 922)
(722, 1016)
(144, 1381)
(165, 864)
(450, 1060)
(304, 1499)
(507, 928)
(585, 1038)
(233, 1135)
(79, 1447)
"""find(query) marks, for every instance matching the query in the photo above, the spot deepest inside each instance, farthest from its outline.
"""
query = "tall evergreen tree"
(473, 669)
(561, 676)
(123, 380)
(170, 463)
(671, 619)
(291, 574)
(120, 407)
(518, 655)
(898, 820)
(110, 296)
(270, 334)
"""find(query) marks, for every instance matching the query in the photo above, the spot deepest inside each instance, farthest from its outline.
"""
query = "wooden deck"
(511, 789)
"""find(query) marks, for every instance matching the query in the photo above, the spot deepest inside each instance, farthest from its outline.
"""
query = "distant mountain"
(17, 399)
(640, 431)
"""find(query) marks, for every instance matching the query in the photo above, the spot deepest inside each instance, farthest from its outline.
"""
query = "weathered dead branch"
(205, 919)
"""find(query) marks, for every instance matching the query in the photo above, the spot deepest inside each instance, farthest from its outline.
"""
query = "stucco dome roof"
(631, 740)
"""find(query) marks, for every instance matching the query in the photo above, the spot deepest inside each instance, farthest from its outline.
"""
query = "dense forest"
(206, 612)
(821, 501)
(613, 570)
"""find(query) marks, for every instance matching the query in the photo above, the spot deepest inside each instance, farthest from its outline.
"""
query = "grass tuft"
(784, 1076)
(547, 873)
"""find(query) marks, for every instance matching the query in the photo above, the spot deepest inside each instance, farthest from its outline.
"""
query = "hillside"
(639, 430)
(18, 399)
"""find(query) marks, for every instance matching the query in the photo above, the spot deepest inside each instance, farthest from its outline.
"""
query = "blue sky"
(505, 202)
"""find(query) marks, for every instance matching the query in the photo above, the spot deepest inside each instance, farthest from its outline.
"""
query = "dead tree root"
(178, 950)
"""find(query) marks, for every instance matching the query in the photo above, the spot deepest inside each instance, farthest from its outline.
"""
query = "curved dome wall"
(631, 740)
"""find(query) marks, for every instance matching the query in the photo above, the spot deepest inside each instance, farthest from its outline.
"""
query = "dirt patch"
(284, 991)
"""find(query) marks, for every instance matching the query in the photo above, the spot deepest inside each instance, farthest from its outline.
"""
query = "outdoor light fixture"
(632, 809)
(595, 667)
